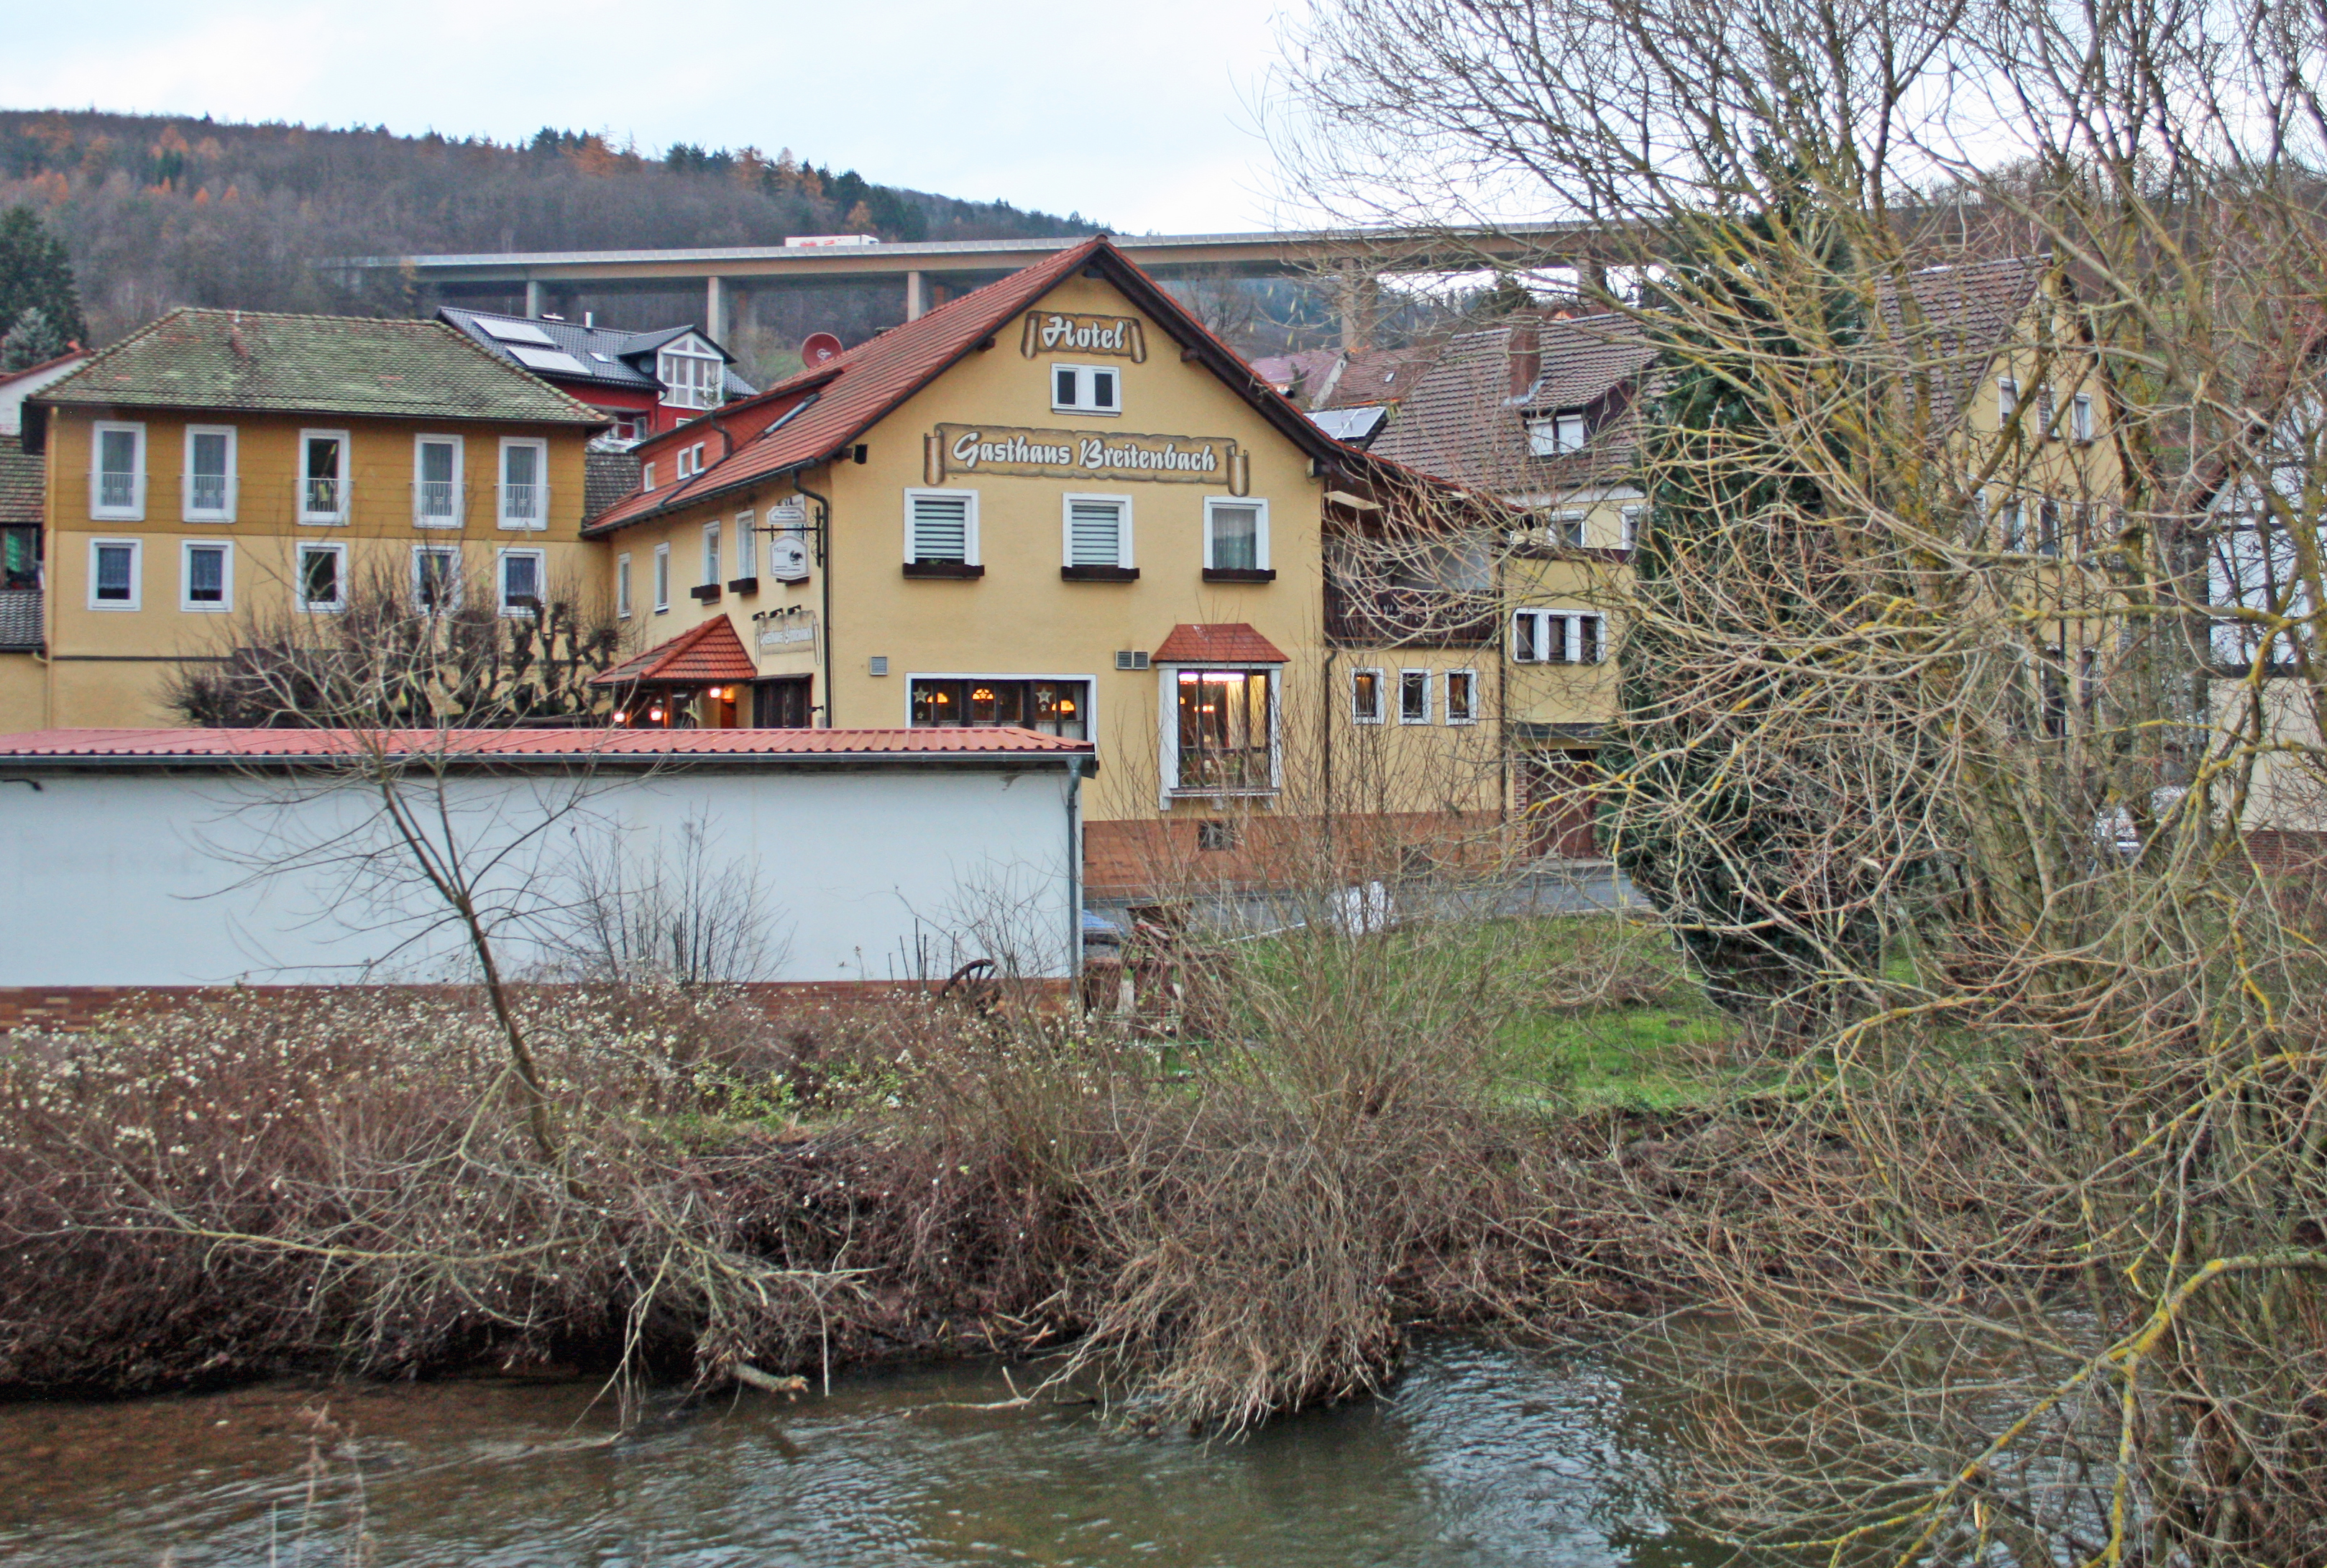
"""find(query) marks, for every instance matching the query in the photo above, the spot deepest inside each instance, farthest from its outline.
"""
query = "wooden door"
(1555, 803)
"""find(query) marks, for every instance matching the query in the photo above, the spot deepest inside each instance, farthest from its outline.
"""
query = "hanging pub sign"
(788, 560)
(968, 449)
(1058, 332)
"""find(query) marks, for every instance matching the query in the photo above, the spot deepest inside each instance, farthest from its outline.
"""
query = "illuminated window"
(1365, 697)
(1052, 708)
(1223, 736)
(1462, 696)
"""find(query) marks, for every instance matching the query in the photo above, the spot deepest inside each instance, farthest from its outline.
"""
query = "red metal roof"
(616, 744)
(1227, 643)
(855, 391)
(710, 654)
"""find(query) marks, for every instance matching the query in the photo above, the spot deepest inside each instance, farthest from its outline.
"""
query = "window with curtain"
(1223, 730)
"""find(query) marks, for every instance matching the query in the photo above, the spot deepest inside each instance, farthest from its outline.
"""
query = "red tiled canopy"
(710, 654)
(1225, 642)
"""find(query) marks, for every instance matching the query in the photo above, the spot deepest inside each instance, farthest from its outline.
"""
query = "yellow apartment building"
(1059, 502)
(218, 468)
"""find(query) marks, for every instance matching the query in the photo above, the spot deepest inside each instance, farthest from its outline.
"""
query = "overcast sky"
(1137, 115)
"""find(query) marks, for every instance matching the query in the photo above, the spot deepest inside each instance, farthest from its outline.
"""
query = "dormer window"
(692, 375)
(1555, 434)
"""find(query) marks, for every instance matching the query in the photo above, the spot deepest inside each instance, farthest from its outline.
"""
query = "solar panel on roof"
(548, 359)
(518, 332)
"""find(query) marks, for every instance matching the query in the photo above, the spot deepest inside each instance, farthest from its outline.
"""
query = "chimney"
(1527, 358)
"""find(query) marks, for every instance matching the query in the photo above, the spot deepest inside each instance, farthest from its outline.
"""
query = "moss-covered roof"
(284, 364)
(23, 485)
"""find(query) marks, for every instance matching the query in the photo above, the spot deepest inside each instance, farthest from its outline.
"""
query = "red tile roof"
(813, 417)
(1228, 642)
(710, 654)
(640, 745)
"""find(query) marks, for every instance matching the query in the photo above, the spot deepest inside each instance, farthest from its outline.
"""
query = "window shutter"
(941, 527)
(1094, 533)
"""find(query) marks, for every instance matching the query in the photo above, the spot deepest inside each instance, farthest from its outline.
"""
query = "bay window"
(692, 377)
(1222, 731)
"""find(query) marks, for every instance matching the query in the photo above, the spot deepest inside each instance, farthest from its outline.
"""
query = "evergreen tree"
(1765, 845)
(30, 340)
(36, 273)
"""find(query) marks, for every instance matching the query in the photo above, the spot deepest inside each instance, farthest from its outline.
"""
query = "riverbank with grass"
(1426, 1124)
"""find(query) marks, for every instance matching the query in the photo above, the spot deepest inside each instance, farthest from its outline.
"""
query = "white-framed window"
(690, 459)
(1565, 529)
(518, 574)
(206, 576)
(1219, 731)
(1628, 523)
(1365, 697)
(646, 476)
(437, 578)
(1086, 389)
(747, 547)
(436, 481)
(711, 532)
(322, 478)
(209, 477)
(2080, 417)
(117, 470)
(622, 587)
(525, 483)
(941, 526)
(663, 578)
(2007, 400)
(1462, 696)
(1414, 697)
(1236, 533)
(1556, 434)
(1558, 637)
(1097, 530)
(324, 577)
(116, 574)
(692, 376)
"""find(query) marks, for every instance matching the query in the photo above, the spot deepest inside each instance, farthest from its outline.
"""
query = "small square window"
(113, 573)
(1462, 696)
(1365, 697)
(520, 581)
(941, 526)
(322, 577)
(208, 577)
(1414, 697)
(1098, 531)
(1086, 389)
(436, 579)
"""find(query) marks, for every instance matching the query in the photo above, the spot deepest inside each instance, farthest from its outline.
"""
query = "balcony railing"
(207, 493)
(1372, 615)
(323, 498)
(523, 506)
(116, 489)
(437, 501)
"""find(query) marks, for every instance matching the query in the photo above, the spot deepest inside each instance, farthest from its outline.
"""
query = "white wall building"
(195, 857)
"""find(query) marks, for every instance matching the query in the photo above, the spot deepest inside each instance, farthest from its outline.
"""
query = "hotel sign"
(1058, 332)
(1077, 454)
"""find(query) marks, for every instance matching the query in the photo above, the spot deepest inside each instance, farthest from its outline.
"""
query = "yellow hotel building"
(1057, 501)
(219, 466)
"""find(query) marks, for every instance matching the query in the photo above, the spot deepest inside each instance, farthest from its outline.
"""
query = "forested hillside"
(157, 211)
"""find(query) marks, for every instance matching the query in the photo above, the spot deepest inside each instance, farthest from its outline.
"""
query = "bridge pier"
(714, 308)
(535, 298)
(917, 301)
(1360, 308)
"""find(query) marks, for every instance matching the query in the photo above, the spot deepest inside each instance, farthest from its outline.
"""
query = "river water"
(1480, 1455)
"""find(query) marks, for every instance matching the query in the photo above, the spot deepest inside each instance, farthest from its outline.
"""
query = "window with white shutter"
(941, 527)
(1098, 531)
